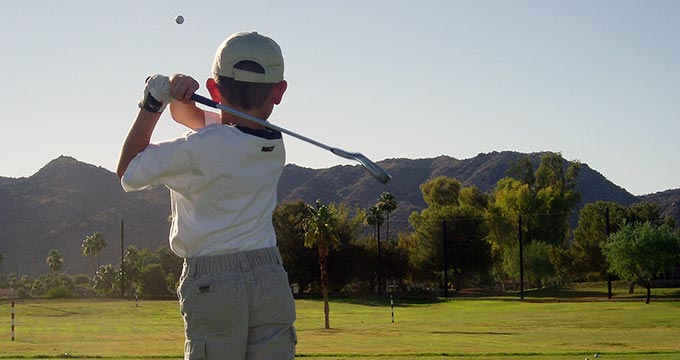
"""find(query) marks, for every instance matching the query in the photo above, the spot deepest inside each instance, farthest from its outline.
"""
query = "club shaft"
(205, 101)
(377, 172)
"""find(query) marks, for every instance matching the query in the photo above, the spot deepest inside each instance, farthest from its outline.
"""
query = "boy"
(234, 293)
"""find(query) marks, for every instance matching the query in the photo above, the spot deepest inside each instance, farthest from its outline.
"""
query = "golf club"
(378, 173)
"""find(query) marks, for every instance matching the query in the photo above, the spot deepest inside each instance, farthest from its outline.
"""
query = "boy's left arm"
(156, 97)
(138, 138)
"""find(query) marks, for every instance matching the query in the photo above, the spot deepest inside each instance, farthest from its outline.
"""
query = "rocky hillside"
(67, 200)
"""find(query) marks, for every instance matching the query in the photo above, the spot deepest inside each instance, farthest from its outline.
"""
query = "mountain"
(354, 186)
(67, 200)
(669, 202)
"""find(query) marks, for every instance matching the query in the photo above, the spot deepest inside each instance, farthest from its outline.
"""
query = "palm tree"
(54, 260)
(92, 246)
(320, 229)
(88, 250)
(387, 204)
(375, 218)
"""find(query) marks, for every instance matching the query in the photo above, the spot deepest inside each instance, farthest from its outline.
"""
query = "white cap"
(249, 46)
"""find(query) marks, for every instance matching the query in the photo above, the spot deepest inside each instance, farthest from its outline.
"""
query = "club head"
(378, 173)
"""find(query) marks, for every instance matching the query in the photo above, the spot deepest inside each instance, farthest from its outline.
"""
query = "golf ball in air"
(179, 19)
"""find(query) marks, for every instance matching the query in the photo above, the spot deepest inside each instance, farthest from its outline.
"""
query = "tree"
(642, 212)
(375, 218)
(555, 196)
(639, 252)
(53, 286)
(54, 260)
(171, 266)
(387, 205)
(549, 194)
(92, 246)
(360, 259)
(134, 262)
(538, 268)
(544, 198)
(302, 263)
(106, 280)
(320, 228)
(583, 259)
(457, 213)
(154, 282)
(343, 260)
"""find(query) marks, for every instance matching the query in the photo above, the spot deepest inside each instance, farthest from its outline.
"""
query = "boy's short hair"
(245, 95)
(246, 67)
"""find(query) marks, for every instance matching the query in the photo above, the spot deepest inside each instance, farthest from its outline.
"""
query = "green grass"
(362, 329)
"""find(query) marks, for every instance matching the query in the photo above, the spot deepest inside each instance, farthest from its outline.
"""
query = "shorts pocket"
(209, 305)
(194, 350)
(279, 299)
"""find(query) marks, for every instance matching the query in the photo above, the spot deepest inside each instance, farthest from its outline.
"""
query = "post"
(446, 263)
(12, 320)
(609, 275)
(521, 259)
(392, 307)
(380, 286)
(122, 258)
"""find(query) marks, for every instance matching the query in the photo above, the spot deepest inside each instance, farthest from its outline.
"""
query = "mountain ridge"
(67, 200)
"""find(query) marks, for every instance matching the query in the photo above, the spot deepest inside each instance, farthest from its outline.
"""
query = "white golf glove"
(156, 93)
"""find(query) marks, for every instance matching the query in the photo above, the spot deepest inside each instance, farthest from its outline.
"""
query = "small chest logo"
(267, 148)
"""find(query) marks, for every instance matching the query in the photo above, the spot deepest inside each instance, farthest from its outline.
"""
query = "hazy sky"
(598, 81)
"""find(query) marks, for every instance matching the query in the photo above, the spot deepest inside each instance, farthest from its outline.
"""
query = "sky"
(598, 81)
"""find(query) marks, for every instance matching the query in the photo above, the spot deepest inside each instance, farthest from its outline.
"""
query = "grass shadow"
(379, 300)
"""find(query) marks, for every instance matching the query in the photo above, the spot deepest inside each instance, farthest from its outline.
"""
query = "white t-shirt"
(222, 182)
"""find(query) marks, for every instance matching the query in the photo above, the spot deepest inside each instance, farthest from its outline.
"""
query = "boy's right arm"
(184, 110)
(187, 113)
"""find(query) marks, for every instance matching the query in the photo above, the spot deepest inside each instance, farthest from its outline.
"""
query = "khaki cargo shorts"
(237, 306)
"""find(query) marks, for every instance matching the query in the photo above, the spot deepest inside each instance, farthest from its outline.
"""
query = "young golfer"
(234, 293)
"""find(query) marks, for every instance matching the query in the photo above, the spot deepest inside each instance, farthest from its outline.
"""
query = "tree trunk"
(649, 291)
(326, 309)
(631, 288)
(387, 227)
(323, 264)
(458, 282)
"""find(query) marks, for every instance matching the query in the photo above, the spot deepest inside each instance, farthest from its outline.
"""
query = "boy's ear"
(211, 85)
(277, 92)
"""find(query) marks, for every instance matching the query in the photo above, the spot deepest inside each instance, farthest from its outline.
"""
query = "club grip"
(204, 100)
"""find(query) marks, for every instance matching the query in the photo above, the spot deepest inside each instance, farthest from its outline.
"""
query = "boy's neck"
(229, 119)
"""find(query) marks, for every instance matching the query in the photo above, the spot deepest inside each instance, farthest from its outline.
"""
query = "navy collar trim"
(267, 134)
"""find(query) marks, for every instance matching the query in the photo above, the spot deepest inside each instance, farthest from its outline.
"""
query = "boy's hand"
(184, 111)
(156, 93)
(182, 87)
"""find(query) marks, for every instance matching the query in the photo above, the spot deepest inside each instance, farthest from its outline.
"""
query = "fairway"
(478, 329)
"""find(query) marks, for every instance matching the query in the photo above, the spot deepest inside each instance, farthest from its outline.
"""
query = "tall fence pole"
(380, 280)
(446, 263)
(122, 258)
(521, 258)
(609, 275)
